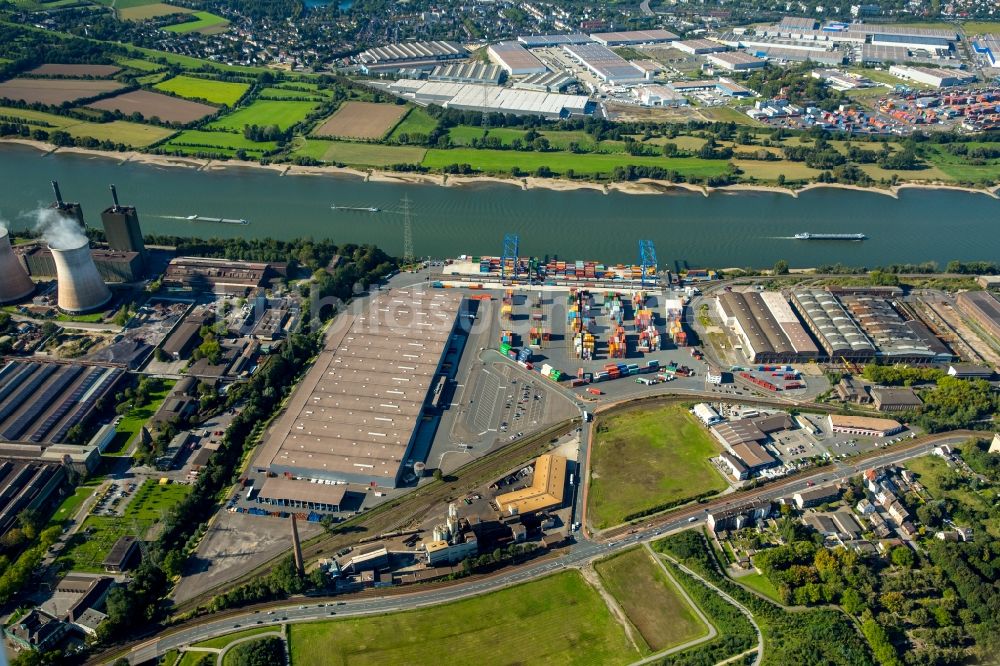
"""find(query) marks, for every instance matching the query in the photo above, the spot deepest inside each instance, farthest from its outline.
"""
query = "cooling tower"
(14, 281)
(81, 288)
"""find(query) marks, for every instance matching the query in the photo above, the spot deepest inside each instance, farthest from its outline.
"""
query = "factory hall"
(356, 415)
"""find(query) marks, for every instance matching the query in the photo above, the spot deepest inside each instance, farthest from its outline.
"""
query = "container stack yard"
(553, 271)
(649, 336)
(538, 333)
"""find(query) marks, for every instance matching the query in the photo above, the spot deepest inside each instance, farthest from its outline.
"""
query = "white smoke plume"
(60, 232)
(3, 227)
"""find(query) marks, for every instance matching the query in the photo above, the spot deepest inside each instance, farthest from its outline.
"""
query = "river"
(723, 230)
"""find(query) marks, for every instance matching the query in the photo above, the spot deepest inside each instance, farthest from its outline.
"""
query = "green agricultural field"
(223, 641)
(88, 547)
(141, 65)
(359, 154)
(133, 420)
(209, 90)
(193, 142)
(155, 10)
(728, 115)
(650, 600)
(502, 161)
(556, 620)
(769, 171)
(648, 457)
(284, 114)
(131, 134)
(206, 23)
(126, 4)
(463, 135)
(929, 174)
(417, 121)
(285, 94)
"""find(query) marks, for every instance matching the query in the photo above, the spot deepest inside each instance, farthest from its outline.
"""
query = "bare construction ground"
(235, 544)
(362, 120)
(150, 104)
(55, 91)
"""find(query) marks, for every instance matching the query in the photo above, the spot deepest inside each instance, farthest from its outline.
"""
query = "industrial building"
(223, 276)
(877, 54)
(933, 76)
(470, 97)
(185, 336)
(467, 72)
(908, 37)
(315, 496)
(553, 82)
(66, 209)
(544, 41)
(785, 53)
(355, 416)
(745, 439)
(657, 95)
(112, 265)
(15, 285)
(515, 59)
(831, 325)
(548, 485)
(767, 327)
(896, 339)
(409, 55)
(122, 556)
(889, 399)
(699, 46)
(121, 228)
(736, 61)
(982, 308)
(26, 486)
(604, 63)
(866, 426)
(797, 23)
(633, 37)
(649, 68)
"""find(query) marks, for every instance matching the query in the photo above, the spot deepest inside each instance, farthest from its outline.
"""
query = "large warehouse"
(933, 76)
(769, 330)
(545, 492)
(736, 61)
(981, 307)
(604, 63)
(838, 334)
(517, 60)
(897, 340)
(633, 37)
(354, 418)
(470, 97)
(40, 402)
(410, 55)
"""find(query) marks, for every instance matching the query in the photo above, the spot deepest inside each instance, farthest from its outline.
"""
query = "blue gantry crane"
(647, 259)
(510, 251)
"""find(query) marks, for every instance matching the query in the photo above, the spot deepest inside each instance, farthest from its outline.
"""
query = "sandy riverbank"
(642, 186)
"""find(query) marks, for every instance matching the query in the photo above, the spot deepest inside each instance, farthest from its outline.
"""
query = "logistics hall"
(355, 416)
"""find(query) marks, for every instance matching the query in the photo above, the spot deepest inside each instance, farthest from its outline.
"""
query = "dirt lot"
(151, 104)
(55, 91)
(362, 120)
(96, 71)
(235, 544)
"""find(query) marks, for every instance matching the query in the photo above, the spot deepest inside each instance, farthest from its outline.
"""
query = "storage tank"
(14, 281)
(81, 288)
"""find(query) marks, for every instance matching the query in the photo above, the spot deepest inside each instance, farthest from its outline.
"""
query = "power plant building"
(515, 59)
(15, 285)
(66, 209)
(221, 276)
(121, 228)
(111, 266)
(80, 287)
(355, 416)
(831, 325)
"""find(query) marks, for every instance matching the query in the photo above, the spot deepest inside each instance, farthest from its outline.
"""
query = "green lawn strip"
(132, 421)
(649, 457)
(169, 658)
(191, 658)
(91, 544)
(71, 505)
(262, 113)
(417, 121)
(203, 21)
(462, 135)
(759, 583)
(369, 154)
(735, 633)
(281, 94)
(141, 65)
(229, 140)
(223, 641)
(650, 600)
(556, 620)
(502, 161)
(980, 27)
(209, 90)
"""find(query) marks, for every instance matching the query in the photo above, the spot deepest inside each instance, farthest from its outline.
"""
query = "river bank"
(642, 186)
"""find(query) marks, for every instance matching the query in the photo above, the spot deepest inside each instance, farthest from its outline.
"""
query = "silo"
(81, 288)
(14, 281)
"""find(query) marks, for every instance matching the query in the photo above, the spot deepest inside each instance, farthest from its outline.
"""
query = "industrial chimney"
(81, 288)
(14, 281)
(67, 209)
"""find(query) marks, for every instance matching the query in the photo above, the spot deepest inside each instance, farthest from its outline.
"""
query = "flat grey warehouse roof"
(354, 416)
